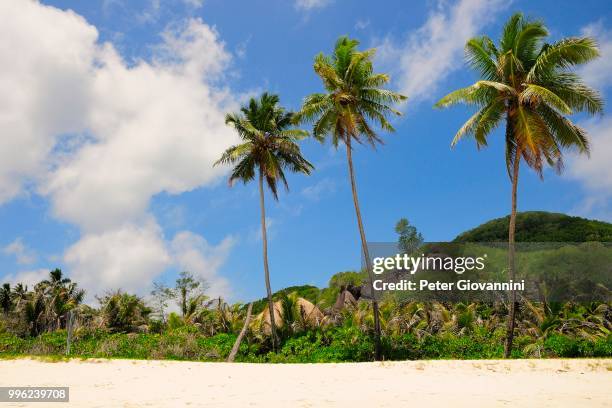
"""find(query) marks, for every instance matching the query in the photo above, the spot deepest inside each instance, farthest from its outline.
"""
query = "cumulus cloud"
(311, 4)
(428, 55)
(127, 258)
(193, 253)
(594, 172)
(598, 73)
(29, 278)
(100, 137)
(158, 127)
(23, 255)
(46, 56)
(133, 256)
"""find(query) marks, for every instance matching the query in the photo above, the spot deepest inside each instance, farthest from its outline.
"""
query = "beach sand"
(475, 383)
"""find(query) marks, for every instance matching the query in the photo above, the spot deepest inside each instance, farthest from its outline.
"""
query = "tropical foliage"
(122, 328)
(525, 84)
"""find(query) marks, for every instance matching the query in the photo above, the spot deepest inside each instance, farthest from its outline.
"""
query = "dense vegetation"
(525, 84)
(340, 344)
(314, 325)
(540, 226)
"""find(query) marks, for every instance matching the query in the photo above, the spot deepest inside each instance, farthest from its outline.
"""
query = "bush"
(175, 321)
(559, 345)
(335, 344)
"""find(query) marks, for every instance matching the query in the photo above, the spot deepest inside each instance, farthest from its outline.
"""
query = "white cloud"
(320, 188)
(598, 73)
(311, 4)
(594, 172)
(99, 137)
(45, 62)
(128, 258)
(435, 50)
(23, 255)
(194, 254)
(29, 278)
(158, 128)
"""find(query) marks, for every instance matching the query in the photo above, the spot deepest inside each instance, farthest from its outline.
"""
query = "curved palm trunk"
(364, 247)
(511, 260)
(264, 239)
(232, 354)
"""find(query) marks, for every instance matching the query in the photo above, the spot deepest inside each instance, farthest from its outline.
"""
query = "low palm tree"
(269, 148)
(6, 298)
(60, 295)
(20, 294)
(529, 86)
(56, 279)
(353, 100)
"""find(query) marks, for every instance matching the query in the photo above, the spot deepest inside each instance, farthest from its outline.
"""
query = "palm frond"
(534, 94)
(480, 53)
(563, 54)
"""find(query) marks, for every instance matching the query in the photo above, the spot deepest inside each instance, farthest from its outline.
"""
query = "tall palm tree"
(269, 148)
(528, 85)
(353, 100)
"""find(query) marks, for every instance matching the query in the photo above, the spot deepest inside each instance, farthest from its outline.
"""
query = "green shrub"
(559, 345)
(175, 321)
(335, 344)
(603, 347)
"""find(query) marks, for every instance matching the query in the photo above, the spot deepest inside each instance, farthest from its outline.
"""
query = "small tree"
(161, 294)
(187, 289)
(409, 238)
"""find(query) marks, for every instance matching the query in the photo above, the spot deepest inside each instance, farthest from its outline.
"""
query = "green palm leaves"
(269, 144)
(528, 84)
(269, 148)
(353, 104)
(354, 99)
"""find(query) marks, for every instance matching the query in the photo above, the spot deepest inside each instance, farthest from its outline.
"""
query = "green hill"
(531, 226)
(308, 292)
(540, 226)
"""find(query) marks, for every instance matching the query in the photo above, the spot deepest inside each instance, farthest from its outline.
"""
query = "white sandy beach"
(129, 383)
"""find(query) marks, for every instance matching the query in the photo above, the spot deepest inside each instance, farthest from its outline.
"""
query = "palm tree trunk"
(511, 260)
(264, 239)
(364, 247)
(232, 354)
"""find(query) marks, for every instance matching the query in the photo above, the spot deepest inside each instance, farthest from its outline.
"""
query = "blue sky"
(115, 114)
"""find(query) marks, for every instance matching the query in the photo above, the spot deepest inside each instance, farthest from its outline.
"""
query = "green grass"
(341, 344)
